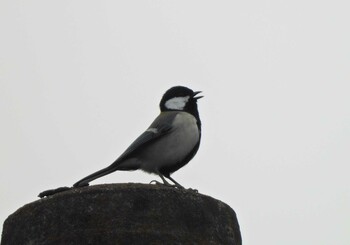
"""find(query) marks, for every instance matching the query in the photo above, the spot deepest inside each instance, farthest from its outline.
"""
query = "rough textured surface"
(123, 214)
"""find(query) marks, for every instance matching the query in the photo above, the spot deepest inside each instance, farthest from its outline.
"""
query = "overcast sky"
(80, 80)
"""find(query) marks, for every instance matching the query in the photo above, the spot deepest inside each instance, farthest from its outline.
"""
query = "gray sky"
(80, 80)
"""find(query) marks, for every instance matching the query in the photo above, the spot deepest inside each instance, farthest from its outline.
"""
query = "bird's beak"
(198, 97)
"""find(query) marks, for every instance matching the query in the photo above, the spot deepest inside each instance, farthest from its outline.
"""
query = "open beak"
(198, 97)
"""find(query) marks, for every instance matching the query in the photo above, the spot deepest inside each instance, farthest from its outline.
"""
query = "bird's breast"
(174, 147)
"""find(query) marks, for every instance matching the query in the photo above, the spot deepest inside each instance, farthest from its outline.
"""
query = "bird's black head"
(180, 98)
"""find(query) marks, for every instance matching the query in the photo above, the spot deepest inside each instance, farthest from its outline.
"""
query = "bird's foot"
(178, 186)
(167, 184)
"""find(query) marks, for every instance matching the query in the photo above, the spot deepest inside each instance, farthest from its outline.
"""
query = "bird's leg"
(165, 183)
(180, 186)
(176, 183)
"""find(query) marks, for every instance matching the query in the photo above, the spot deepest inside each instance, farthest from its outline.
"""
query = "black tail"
(85, 181)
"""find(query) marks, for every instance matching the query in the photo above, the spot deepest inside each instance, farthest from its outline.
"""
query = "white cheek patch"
(177, 103)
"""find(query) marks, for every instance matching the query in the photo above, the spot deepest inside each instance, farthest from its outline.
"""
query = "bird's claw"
(163, 184)
(169, 185)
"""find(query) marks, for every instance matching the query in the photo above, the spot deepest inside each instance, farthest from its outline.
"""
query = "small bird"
(168, 144)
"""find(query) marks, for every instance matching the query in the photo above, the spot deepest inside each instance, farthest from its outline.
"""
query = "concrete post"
(123, 214)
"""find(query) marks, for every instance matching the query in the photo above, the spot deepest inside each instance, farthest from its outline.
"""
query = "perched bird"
(168, 144)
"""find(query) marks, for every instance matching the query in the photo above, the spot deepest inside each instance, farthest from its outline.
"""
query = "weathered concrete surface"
(123, 214)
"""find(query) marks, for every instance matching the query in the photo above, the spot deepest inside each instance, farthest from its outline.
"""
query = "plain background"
(80, 80)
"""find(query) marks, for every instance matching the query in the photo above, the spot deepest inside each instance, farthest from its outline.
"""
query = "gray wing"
(161, 126)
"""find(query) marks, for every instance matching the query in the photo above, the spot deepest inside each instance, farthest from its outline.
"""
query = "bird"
(167, 145)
